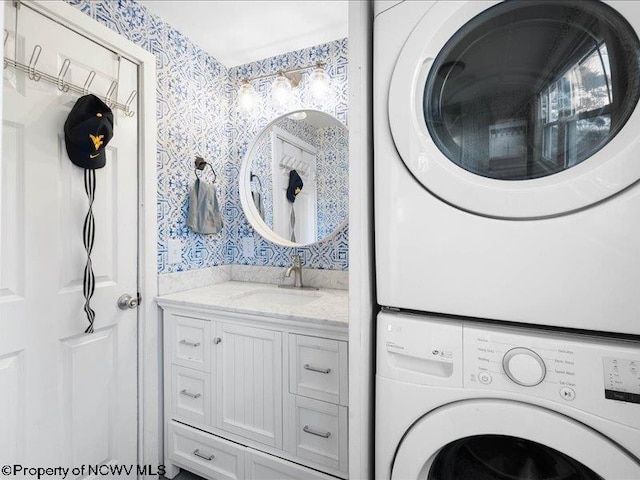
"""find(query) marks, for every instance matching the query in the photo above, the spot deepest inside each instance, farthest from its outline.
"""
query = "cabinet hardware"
(191, 344)
(313, 432)
(217, 340)
(315, 369)
(197, 453)
(189, 394)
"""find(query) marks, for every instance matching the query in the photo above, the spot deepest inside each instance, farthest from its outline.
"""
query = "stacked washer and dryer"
(507, 232)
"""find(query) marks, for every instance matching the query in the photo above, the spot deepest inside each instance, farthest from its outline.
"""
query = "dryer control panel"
(593, 374)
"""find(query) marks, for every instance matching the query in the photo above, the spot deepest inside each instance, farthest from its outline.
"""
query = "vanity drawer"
(190, 395)
(261, 466)
(189, 338)
(318, 368)
(205, 454)
(321, 433)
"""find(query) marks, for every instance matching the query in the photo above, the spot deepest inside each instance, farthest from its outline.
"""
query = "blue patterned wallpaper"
(245, 246)
(196, 116)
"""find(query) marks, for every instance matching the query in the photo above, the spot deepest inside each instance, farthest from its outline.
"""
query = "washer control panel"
(622, 379)
(580, 371)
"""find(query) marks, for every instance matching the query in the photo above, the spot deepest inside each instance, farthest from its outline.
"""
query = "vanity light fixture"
(281, 91)
(248, 98)
(282, 87)
(319, 83)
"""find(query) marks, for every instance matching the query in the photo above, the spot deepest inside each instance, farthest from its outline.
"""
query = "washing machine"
(460, 400)
(507, 160)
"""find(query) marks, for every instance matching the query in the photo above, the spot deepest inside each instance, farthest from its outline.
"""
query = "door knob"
(126, 302)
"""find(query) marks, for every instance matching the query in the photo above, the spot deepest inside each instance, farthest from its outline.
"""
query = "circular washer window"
(500, 457)
(529, 89)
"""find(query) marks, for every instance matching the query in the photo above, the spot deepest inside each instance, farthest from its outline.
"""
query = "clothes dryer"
(507, 160)
(458, 400)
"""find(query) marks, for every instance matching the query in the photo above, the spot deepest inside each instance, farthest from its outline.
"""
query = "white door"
(66, 398)
(506, 439)
(249, 378)
(292, 153)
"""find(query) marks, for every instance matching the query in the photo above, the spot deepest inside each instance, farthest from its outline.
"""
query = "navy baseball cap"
(88, 129)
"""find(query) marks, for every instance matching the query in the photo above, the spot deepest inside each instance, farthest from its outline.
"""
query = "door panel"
(78, 392)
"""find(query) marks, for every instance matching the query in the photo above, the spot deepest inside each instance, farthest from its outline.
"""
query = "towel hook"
(108, 97)
(127, 108)
(87, 83)
(62, 85)
(252, 176)
(35, 56)
(200, 163)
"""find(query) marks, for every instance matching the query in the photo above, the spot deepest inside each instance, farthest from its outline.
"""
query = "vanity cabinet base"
(254, 398)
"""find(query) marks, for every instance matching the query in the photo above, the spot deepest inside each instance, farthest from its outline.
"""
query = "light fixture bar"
(283, 72)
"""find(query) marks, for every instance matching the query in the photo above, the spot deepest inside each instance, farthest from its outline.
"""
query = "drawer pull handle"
(191, 344)
(189, 394)
(197, 453)
(313, 432)
(314, 369)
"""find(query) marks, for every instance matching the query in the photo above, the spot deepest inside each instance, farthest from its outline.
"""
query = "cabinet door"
(249, 384)
(261, 466)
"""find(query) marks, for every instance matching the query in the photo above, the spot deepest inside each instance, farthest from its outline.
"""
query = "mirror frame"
(246, 200)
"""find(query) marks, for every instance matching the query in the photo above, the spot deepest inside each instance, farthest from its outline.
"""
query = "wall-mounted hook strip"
(87, 83)
(127, 107)
(108, 97)
(35, 56)
(62, 85)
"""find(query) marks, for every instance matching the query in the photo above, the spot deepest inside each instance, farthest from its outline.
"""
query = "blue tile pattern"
(331, 253)
(196, 115)
(192, 113)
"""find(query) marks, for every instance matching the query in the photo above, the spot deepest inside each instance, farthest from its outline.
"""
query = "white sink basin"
(279, 297)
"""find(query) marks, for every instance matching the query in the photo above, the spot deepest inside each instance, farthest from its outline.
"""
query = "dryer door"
(520, 109)
(505, 440)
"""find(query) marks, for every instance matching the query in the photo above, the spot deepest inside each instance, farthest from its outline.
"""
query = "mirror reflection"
(295, 180)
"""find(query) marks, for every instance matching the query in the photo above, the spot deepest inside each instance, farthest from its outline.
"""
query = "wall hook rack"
(58, 80)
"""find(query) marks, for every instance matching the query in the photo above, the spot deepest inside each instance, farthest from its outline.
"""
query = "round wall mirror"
(294, 179)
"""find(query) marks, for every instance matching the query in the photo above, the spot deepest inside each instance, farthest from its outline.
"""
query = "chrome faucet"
(296, 267)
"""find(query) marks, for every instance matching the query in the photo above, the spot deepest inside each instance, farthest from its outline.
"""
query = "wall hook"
(87, 83)
(108, 97)
(6, 37)
(127, 107)
(35, 56)
(62, 85)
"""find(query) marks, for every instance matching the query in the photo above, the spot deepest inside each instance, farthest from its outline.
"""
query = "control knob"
(524, 366)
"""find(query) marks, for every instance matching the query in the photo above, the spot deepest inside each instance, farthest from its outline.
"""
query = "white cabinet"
(250, 397)
(249, 370)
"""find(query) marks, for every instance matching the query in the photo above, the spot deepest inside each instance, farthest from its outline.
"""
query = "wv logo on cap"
(97, 140)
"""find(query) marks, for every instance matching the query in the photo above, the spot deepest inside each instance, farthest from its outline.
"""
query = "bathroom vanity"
(255, 382)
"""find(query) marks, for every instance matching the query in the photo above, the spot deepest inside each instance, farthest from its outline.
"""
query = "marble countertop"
(325, 306)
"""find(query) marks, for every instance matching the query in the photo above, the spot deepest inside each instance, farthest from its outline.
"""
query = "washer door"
(503, 440)
(520, 109)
